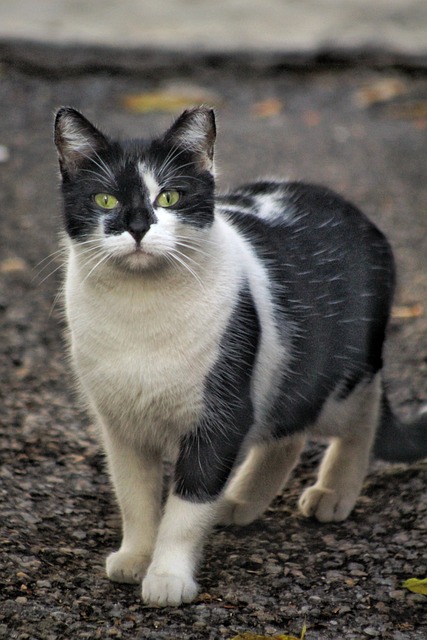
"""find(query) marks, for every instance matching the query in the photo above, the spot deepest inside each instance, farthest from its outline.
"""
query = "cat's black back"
(334, 276)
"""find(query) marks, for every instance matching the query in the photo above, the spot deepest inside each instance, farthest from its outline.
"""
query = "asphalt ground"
(362, 132)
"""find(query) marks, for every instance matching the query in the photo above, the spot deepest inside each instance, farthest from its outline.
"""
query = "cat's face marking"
(157, 194)
(149, 180)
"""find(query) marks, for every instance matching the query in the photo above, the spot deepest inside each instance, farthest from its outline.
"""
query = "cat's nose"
(137, 229)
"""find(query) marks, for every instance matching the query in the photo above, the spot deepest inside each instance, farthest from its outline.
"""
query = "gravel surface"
(363, 133)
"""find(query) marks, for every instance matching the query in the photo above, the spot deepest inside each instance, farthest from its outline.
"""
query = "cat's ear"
(76, 140)
(195, 131)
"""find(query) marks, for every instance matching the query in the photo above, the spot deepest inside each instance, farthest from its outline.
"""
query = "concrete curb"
(54, 59)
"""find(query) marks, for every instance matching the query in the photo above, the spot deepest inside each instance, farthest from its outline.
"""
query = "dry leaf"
(10, 265)
(170, 99)
(267, 108)
(381, 91)
(311, 118)
(409, 111)
(405, 312)
(247, 635)
(416, 585)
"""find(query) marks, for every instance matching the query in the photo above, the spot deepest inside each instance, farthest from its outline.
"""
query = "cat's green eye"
(168, 198)
(106, 201)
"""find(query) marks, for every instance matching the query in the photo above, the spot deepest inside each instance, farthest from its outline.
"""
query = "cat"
(219, 332)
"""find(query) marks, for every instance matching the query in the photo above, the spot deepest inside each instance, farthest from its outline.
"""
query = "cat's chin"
(137, 260)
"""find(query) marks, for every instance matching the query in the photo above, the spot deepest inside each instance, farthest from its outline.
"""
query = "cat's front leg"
(137, 480)
(170, 578)
(201, 472)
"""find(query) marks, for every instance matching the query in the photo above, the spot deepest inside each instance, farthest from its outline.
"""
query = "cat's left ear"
(76, 140)
(195, 131)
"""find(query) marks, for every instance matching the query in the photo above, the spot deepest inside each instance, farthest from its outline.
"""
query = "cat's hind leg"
(259, 479)
(345, 463)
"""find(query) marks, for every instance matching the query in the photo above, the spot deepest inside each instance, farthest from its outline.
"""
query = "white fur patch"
(270, 208)
(169, 579)
(75, 140)
(149, 180)
(272, 352)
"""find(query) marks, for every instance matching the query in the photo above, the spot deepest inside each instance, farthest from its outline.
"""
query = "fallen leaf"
(10, 265)
(416, 585)
(311, 118)
(247, 635)
(405, 312)
(409, 111)
(170, 99)
(380, 91)
(267, 108)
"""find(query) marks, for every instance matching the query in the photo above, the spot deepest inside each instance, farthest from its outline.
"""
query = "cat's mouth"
(137, 257)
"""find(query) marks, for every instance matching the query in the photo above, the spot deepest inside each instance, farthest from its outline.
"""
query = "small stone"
(370, 631)
(4, 153)
(199, 624)
(43, 584)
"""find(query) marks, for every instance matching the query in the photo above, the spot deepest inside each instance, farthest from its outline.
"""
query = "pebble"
(370, 631)
(4, 153)
(44, 584)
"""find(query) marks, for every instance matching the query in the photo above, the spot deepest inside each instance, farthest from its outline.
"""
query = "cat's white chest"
(142, 356)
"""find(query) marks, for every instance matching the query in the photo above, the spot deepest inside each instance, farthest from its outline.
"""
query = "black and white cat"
(219, 331)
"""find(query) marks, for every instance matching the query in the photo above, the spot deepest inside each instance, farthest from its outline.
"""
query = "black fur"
(334, 274)
(209, 452)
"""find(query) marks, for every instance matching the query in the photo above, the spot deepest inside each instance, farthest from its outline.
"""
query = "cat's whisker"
(92, 249)
(59, 295)
(60, 266)
(106, 171)
(194, 248)
(90, 240)
(103, 259)
(106, 182)
(169, 173)
(51, 258)
(171, 157)
(91, 253)
(186, 256)
(198, 240)
(177, 255)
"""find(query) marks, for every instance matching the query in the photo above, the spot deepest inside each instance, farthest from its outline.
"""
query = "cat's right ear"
(195, 131)
(76, 140)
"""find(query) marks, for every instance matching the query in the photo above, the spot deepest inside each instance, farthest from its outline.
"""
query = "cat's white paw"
(127, 567)
(168, 590)
(240, 513)
(326, 505)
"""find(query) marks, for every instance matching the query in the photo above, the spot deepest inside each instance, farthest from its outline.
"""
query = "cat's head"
(137, 203)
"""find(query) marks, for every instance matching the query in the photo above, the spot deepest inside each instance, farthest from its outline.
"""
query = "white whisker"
(179, 257)
(103, 258)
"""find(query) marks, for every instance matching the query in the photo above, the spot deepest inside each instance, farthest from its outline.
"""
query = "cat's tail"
(400, 442)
